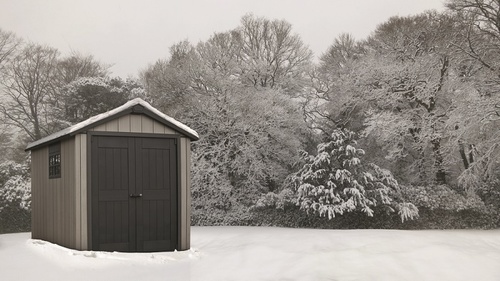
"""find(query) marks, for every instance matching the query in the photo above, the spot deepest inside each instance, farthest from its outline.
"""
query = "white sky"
(132, 34)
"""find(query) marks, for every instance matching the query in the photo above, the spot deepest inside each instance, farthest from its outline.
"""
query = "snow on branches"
(15, 186)
(336, 181)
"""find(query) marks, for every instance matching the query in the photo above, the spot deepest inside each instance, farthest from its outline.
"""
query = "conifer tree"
(336, 181)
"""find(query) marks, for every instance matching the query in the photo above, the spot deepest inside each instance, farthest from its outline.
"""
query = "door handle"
(135, 195)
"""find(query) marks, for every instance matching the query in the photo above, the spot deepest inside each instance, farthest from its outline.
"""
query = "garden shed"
(119, 181)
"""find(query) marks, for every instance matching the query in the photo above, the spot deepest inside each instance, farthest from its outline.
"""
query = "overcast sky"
(133, 34)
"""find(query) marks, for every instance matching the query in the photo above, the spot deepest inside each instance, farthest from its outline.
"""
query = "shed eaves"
(84, 125)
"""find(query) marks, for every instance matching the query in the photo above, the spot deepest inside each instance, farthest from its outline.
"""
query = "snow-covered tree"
(411, 91)
(475, 116)
(235, 90)
(88, 96)
(15, 196)
(336, 181)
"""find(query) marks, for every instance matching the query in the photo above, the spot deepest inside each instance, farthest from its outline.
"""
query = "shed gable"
(136, 116)
(134, 123)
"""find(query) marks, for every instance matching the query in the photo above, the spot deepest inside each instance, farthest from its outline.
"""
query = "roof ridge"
(81, 126)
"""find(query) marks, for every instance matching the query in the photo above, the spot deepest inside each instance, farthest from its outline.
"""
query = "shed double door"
(134, 183)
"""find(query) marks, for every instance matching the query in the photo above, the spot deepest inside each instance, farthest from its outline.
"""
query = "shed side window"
(55, 161)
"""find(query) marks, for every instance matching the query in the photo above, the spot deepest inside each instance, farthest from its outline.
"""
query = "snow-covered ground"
(258, 253)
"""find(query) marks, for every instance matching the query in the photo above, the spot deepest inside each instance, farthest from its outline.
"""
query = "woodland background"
(398, 130)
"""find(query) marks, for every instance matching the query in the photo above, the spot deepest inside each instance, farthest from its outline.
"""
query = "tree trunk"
(463, 155)
(422, 174)
(471, 153)
(436, 140)
(438, 161)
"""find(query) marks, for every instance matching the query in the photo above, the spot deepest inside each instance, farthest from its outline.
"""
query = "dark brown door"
(134, 206)
(156, 180)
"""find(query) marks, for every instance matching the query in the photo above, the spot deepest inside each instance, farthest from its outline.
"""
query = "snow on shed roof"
(103, 117)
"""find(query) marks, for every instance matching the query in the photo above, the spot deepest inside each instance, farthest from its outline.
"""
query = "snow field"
(266, 253)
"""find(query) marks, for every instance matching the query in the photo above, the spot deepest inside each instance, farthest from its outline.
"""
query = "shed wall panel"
(38, 186)
(123, 124)
(188, 186)
(101, 127)
(169, 131)
(84, 193)
(112, 126)
(53, 199)
(66, 194)
(158, 128)
(134, 123)
(147, 124)
(78, 190)
(185, 196)
(80, 194)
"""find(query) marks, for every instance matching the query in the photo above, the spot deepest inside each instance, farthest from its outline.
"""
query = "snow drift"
(261, 253)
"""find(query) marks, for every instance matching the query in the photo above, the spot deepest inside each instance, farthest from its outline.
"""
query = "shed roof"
(137, 106)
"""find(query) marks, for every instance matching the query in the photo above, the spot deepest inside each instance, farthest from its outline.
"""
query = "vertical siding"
(78, 190)
(81, 192)
(38, 186)
(67, 194)
(54, 199)
(133, 123)
(185, 194)
(34, 205)
(146, 124)
(188, 191)
(124, 124)
(84, 193)
(112, 126)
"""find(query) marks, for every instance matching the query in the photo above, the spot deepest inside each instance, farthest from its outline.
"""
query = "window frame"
(54, 161)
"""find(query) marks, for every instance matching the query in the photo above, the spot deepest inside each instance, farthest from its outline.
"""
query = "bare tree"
(77, 65)
(329, 103)
(9, 43)
(167, 82)
(273, 55)
(480, 36)
(344, 50)
(28, 83)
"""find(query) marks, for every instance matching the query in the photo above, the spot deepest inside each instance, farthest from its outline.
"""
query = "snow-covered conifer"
(335, 181)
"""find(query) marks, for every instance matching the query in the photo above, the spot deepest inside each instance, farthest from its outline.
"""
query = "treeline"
(407, 118)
